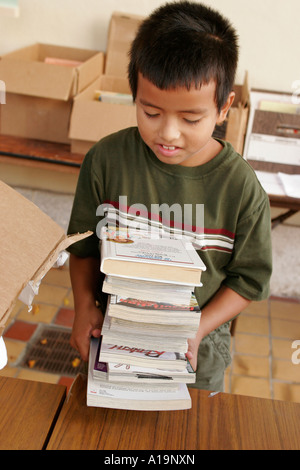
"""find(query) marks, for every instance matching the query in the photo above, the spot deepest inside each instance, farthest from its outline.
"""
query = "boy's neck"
(212, 149)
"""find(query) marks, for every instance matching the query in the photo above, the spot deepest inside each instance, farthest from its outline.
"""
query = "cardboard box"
(122, 31)
(31, 243)
(92, 120)
(39, 95)
(236, 123)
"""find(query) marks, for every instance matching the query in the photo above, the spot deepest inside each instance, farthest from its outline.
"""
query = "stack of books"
(140, 360)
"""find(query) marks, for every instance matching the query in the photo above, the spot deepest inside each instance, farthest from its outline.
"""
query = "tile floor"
(262, 346)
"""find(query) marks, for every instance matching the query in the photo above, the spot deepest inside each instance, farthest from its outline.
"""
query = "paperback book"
(142, 339)
(160, 313)
(108, 394)
(142, 357)
(117, 372)
(136, 374)
(151, 291)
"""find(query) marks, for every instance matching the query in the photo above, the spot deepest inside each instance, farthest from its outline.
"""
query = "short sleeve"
(249, 271)
(83, 215)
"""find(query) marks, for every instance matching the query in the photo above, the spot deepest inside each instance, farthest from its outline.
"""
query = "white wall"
(269, 31)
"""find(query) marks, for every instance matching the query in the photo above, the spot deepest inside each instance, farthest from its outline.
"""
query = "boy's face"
(178, 124)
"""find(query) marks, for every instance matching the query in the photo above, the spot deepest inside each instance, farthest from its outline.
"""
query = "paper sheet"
(3, 354)
(291, 184)
(280, 184)
(271, 183)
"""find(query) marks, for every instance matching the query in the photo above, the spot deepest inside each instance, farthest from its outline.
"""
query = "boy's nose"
(169, 132)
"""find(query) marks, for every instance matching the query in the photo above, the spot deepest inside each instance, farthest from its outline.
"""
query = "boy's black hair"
(184, 44)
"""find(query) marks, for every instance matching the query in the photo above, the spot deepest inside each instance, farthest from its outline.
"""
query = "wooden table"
(39, 154)
(220, 422)
(28, 412)
(290, 204)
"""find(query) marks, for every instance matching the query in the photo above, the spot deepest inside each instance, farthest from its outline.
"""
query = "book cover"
(142, 357)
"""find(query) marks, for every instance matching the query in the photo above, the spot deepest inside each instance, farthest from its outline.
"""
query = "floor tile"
(258, 308)
(285, 329)
(65, 317)
(14, 349)
(286, 392)
(67, 381)
(53, 295)
(227, 382)
(282, 348)
(287, 310)
(18, 306)
(58, 277)
(251, 344)
(69, 300)
(254, 366)
(57, 206)
(20, 330)
(285, 370)
(251, 386)
(252, 324)
(41, 313)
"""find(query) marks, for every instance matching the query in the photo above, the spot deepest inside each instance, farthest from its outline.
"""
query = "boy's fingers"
(82, 347)
(96, 333)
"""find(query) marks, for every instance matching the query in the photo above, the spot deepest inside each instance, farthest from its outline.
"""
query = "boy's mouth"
(168, 150)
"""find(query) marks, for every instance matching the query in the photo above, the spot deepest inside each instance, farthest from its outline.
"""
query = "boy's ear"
(224, 111)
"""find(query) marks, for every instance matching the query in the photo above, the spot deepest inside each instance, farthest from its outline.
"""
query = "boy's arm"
(223, 307)
(85, 279)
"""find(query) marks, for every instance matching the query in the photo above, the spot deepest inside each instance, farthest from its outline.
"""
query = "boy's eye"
(149, 115)
(192, 122)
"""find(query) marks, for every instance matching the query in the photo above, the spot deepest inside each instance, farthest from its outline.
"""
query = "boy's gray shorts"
(213, 359)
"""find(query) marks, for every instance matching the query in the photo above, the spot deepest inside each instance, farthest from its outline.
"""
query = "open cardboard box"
(31, 243)
(92, 120)
(39, 95)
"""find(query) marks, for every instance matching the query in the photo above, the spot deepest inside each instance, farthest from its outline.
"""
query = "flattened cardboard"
(39, 95)
(30, 245)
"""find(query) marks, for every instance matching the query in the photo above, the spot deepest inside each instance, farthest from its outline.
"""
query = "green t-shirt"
(231, 234)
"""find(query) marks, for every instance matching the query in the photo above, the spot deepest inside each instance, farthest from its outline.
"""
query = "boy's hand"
(86, 324)
(192, 353)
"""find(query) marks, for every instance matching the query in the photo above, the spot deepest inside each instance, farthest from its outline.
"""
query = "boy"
(181, 72)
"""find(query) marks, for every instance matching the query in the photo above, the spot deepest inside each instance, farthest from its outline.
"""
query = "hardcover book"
(159, 259)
